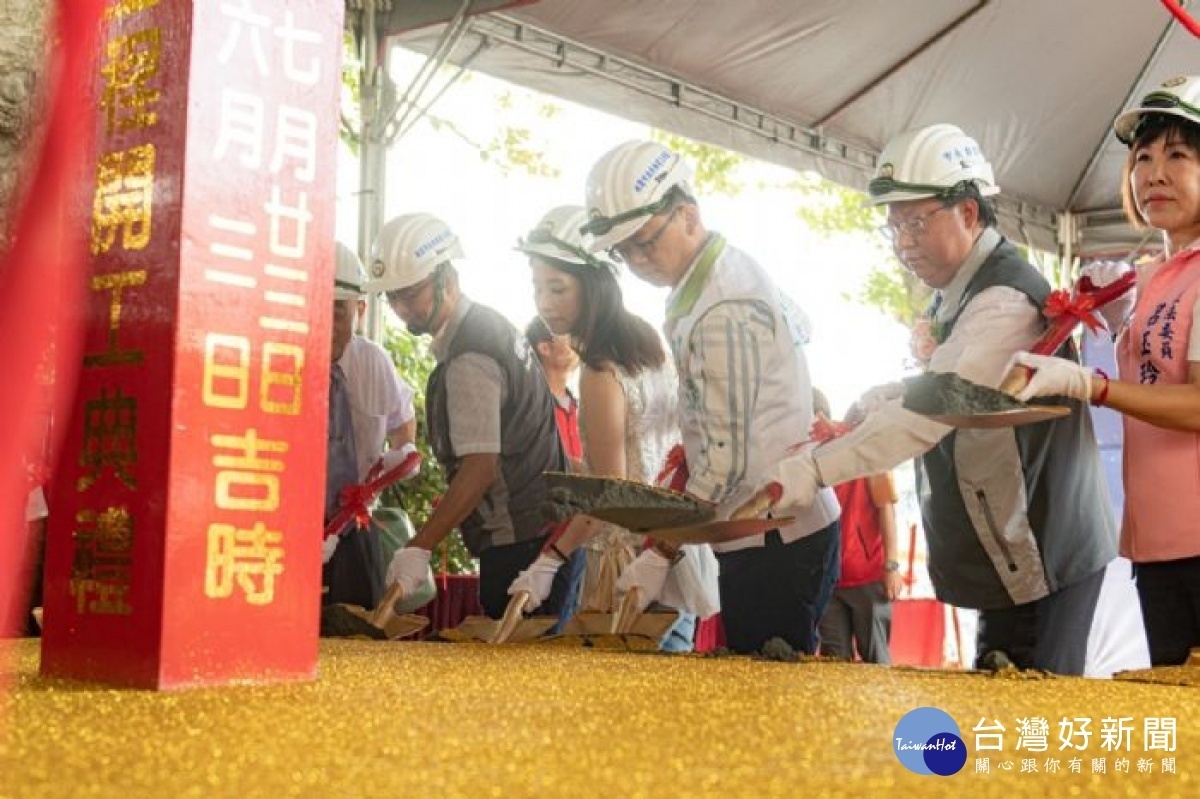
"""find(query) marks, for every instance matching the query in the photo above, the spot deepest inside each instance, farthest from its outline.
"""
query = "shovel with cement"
(951, 400)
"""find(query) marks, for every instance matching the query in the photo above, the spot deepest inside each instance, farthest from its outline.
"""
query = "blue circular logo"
(928, 741)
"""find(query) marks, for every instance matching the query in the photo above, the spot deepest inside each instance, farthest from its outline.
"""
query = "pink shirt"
(1161, 467)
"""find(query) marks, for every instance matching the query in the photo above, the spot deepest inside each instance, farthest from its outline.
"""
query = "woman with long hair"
(628, 399)
(1158, 356)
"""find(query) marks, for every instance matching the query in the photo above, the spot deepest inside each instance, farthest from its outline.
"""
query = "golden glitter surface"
(442, 721)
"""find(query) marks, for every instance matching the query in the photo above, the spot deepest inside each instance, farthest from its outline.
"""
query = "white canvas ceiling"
(822, 84)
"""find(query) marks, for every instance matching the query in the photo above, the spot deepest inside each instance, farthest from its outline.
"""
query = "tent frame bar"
(814, 146)
(567, 54)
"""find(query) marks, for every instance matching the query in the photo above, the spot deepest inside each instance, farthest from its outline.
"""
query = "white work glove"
(647, 573)
(410, 568)
(1102, 273)
(873, 400)
(797, 479)
(537, 579)
(394, 457)
(1053, 377)
(328, 546)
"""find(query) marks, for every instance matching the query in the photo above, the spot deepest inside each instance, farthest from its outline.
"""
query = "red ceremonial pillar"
(184, 543)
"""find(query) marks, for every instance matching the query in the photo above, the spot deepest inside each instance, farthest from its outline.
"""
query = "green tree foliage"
(715, 168)
(350, 122)
(896, 292)
(509, 147)
(516, 148)
(418, 496)
(836, 211)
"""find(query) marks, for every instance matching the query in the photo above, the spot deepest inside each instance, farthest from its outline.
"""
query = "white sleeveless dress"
(651, 429)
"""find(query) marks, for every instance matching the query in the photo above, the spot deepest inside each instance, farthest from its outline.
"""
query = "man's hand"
(793, 482)
(394, 457)
(537, 579)
(1052, 377)
(873, 400)
(647, 573)
(409, 568)
(1102, 273)
(893, 585)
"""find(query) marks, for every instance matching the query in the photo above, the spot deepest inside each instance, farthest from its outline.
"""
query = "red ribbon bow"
(1065, 310)
(674, 474)
(824, 429)
(355, 500)
(1080, 307)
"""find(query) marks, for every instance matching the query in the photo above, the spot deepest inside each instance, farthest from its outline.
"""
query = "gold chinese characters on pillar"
(193, 487)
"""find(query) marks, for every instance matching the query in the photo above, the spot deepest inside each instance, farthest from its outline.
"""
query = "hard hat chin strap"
(439, 296)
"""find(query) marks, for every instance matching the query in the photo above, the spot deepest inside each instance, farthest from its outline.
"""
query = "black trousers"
(355, 574)
(779, 590)
(1170, 595)
(1049, 633)
(500, 565)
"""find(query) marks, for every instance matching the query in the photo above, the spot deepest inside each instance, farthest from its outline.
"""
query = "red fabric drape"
(41, 281)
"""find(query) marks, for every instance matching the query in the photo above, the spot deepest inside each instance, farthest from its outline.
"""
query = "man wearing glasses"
(1017, 519)
(745, 394)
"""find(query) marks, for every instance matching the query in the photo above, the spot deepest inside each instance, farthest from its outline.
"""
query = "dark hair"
(606, 332)
(967, 190)
(536, 332)
(1152, 128)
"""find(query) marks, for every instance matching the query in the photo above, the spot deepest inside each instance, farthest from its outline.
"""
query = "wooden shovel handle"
(1016, 380)
(627, 613)
(512, 617)
(386, 608)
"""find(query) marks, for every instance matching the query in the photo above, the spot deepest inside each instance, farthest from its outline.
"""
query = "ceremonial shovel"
(384, 616)
(1065, 310)
(513, 626)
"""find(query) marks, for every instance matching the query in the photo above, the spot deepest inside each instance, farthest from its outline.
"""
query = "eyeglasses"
(603, 225)
(409, 294)
(915, 227)
(543, 235)
(624, 251)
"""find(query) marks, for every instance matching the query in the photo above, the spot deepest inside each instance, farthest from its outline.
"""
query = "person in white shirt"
(380, 412)
(744, 392)
(380, 401)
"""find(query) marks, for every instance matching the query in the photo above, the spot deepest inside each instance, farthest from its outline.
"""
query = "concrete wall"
(22, 72)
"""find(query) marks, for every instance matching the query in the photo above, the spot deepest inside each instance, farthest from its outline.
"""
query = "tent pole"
(371, 155)
(1066, 247)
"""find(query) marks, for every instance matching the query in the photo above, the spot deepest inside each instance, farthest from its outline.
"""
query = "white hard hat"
(350, 277)
(930, 162)
(408, 249)
(1177, 97)
(627, 186)
(559, 237)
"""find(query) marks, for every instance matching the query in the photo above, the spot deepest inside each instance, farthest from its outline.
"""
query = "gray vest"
(1035, 517)
(529, 443)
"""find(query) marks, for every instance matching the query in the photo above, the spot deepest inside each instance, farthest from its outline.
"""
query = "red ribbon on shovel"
(355, 500)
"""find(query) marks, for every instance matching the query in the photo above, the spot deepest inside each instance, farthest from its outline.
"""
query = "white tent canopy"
(823, 84)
